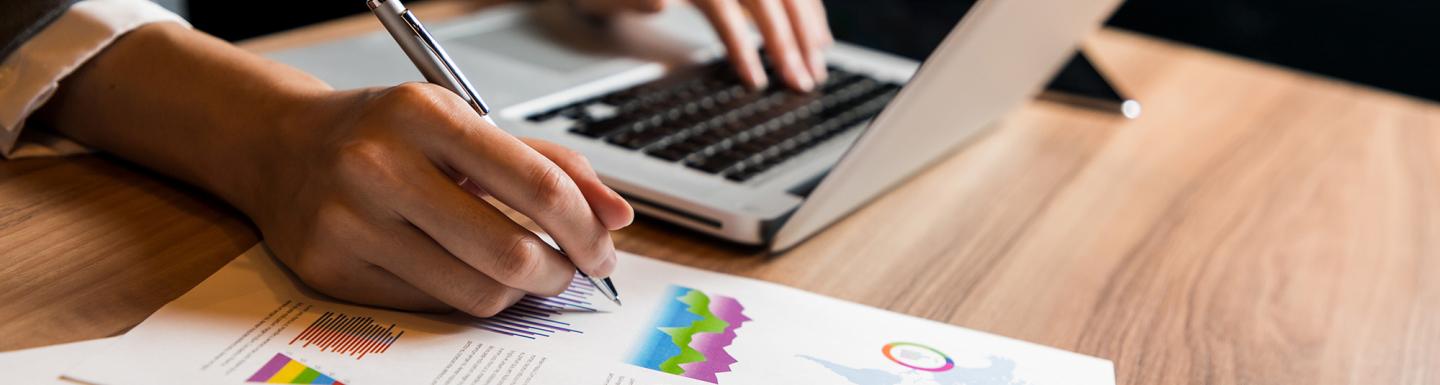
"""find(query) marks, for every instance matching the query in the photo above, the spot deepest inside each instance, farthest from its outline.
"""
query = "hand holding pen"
(436, 65)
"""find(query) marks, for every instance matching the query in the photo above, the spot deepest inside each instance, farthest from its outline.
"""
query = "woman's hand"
(796, 34)
(361, 202)
(355, 190)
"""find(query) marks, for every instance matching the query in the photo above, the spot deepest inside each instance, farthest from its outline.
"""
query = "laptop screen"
(922, 24)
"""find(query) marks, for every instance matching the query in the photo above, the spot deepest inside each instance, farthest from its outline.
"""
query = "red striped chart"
(351, 336)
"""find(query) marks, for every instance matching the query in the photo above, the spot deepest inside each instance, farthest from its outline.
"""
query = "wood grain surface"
(1255, 226)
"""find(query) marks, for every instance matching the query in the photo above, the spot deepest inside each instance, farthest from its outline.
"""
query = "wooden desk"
(1256, 226)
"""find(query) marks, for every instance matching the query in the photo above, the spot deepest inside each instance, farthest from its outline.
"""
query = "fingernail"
(817, 68)
(619, 224)
(758, 79)
(801, 75)
(627, 215)
(803, 81)
(607, 266)
(616, 220)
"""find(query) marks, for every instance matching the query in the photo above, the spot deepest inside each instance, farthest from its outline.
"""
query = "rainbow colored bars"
(285, 370)
(691, 332)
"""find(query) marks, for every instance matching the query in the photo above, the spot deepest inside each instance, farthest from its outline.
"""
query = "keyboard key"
(709, 121)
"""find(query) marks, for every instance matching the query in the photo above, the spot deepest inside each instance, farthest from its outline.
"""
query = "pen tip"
(611, 285)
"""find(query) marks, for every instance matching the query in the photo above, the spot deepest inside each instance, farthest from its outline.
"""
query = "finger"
(647, 6)
(363, 282)
(466, 184)
(474, 189)
(780, 43)
(332, 261)
(418, 260)
(481, 236)
(520, 177)
(807, 34)
(606, 7)
(612, 209)
(729, 23)
(823, 26)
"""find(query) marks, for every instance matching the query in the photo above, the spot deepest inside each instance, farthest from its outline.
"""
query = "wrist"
(263, 157)
(187, 105)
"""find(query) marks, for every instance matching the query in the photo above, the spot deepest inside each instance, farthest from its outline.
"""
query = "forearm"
(348, 188)
(182, 103)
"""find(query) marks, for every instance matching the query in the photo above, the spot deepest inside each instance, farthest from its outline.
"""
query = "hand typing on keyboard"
(709, 121)
(796, 35)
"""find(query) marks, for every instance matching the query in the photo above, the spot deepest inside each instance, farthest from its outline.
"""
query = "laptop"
(663, 119)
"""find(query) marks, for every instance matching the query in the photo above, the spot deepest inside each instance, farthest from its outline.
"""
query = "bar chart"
(348, 335)
(282, 369)
(536, 317)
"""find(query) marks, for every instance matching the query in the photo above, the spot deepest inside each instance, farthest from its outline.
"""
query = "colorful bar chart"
(282, 369)
(352, 336)
(535, 317)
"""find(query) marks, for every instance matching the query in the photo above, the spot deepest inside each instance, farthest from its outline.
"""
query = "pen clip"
(465, 89)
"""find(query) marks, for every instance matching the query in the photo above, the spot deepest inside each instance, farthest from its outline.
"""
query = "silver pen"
(438, 68)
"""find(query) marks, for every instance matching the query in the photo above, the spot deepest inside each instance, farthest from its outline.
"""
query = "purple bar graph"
(533, 316)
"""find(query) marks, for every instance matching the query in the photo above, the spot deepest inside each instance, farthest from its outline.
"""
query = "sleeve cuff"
(31, 74)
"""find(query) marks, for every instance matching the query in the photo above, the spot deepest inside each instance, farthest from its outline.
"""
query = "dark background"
(1389, 44)
(1385, 43)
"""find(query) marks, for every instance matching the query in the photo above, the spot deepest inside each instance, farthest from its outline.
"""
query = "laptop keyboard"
(708, 120)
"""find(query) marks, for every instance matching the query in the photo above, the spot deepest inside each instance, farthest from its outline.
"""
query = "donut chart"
(913, 356)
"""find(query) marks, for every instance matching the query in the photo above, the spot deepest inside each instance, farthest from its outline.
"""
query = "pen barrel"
(391, 15)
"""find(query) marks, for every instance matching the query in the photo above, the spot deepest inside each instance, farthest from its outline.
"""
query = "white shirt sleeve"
(32, 72)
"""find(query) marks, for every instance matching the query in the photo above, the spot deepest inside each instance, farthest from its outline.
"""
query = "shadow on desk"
(94, 244)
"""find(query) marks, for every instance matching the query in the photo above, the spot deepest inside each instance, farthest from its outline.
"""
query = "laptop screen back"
(999, 55)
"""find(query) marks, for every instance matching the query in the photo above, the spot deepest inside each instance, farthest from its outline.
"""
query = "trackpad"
(527, 43)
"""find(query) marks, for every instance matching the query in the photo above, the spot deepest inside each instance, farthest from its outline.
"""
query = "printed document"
(43, 365)
(254, 322)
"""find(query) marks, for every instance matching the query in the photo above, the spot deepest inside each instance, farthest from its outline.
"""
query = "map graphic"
(917, 364)
(690, 333)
